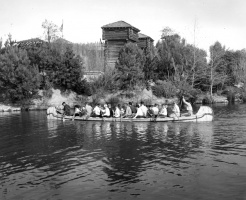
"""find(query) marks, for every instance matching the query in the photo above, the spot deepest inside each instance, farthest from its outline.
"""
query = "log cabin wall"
(112, 50)
(145, 42)
(116, 35)
(142, 43)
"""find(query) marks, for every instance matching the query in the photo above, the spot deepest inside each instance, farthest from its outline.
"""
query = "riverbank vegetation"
(176, 68)
(172, 68)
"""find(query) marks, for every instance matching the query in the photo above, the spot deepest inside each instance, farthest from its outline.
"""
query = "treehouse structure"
(145, 42)
(116, 35)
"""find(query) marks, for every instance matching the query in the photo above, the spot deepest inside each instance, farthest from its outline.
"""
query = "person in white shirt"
(106, 111)
(188, 107)
(96, 111)
(144, 109)
(117, 112)
(141, 111)
(163, 111)
(155, 110)
(128, 111)
(88, 109)
(175, 110)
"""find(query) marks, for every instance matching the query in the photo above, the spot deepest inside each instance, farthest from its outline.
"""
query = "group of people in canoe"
(128, 110)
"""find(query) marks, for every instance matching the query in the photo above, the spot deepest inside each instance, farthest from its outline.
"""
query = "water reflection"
(44, 157)
(127, 149)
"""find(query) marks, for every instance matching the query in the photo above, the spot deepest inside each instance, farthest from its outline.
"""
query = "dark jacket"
(67, 110)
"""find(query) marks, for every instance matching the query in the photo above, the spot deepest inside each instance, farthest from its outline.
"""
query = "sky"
(200, 22)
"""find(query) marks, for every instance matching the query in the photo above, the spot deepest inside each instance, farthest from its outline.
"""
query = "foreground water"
(41, 159)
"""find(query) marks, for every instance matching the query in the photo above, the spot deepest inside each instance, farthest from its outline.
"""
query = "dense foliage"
(18, 78)
(171, 68)
(129, 67)
(25, 70)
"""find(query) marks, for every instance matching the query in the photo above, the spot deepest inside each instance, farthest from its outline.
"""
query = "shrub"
(48, 93)
(207, 99)
(114, 101)
(84, 87)
(164, 89)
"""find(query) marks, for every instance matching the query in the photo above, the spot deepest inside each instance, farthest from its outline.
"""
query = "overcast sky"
(212, 20)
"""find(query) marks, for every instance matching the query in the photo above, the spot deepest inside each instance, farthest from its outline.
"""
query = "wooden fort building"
(145, 42)
(116, 35)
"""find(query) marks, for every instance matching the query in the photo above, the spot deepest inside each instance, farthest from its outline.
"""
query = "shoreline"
(37, 107)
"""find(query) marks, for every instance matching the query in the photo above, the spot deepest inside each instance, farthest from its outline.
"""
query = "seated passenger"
(144, 108)
(88, 109)
(175, 112)
(150, 112)
(163, 111)
(128, 111)
(140, 113)
(60, 109)
(111, 110)
(155, 110)
(96, 111)
(117, 112)
(66, 109)
(106, 111)
(133, 108)
(122, 110)
(77, 111)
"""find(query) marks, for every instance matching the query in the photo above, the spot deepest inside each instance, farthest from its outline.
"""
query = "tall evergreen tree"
(129, 67)
(18, 79)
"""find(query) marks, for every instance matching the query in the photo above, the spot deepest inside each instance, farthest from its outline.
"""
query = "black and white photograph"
(122, 100)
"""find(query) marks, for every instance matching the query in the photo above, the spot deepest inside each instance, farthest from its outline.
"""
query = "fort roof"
(142, 36)
(119, 24)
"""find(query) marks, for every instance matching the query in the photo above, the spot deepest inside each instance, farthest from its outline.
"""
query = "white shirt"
(139, 112)
(163, 111)
(107, 112)
(117, 112)
(144, 109)
(96, 110)
(77, 110)
(176, 109)
(155, 110)
(188, 106)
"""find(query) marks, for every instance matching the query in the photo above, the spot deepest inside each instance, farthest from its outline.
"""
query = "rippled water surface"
(41, 159)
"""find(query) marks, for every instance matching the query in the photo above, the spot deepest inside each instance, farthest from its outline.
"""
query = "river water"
(41, 159)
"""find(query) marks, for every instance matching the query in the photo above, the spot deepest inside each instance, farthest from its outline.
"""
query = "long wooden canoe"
(204, 114)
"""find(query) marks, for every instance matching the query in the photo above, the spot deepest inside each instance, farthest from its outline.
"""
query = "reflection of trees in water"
(129, 147)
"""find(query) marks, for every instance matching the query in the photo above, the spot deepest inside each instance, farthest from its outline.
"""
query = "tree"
(51, 31)
(215, 75)
(150, 64)
(68, 73)
(129, 67)
(18, 79)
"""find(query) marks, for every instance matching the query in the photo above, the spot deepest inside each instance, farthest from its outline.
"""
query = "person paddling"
(188, 107)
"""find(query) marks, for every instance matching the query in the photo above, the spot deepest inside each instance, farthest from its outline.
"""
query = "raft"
(204, 114)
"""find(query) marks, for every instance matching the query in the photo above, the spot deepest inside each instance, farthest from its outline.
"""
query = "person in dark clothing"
(133, 108)
(66, 108)
(111, 110)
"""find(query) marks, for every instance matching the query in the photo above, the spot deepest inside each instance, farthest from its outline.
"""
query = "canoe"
(204, 114)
